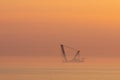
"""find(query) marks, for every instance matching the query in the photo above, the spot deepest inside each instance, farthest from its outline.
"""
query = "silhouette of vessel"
(75, 58)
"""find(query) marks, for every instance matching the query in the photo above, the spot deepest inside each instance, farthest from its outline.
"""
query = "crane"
(76, 57)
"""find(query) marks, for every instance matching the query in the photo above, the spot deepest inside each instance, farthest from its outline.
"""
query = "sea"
(36, 68)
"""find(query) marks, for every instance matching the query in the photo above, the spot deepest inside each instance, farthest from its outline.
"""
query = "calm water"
(29, 70)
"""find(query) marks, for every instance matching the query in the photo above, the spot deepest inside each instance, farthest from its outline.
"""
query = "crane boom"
(76, 55)
(63, 51)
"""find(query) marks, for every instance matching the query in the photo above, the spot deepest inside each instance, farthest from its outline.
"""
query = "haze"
(38, 27)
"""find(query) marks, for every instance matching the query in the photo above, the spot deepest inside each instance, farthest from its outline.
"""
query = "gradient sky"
(37, 27)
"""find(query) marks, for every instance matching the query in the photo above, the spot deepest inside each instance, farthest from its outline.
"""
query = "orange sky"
(37, 27)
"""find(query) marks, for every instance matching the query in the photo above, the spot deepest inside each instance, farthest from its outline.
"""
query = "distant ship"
(76, 58)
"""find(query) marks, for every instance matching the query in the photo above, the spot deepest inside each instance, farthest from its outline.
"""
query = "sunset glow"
(31, 32)
(41, 25)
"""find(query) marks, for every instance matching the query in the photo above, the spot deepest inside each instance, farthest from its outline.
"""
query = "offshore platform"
(76, 58)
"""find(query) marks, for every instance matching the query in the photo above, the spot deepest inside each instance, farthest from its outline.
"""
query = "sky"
(38, 27)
